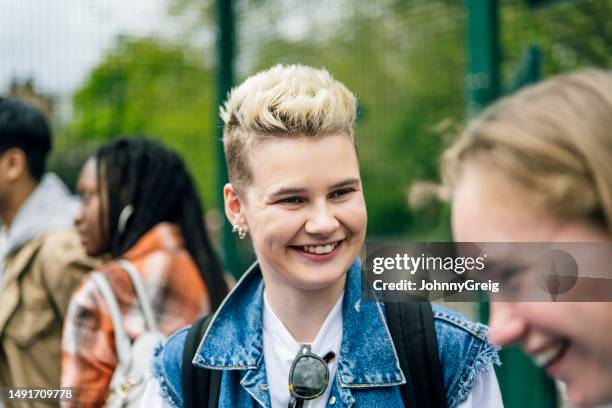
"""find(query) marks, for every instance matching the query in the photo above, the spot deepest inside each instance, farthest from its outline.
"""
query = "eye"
(84, 197)
(510, 272)
(291, 200)
(342, 192)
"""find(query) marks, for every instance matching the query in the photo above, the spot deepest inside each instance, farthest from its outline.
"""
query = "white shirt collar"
(280, 348)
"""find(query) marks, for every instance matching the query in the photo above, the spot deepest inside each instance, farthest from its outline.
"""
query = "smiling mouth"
(318, 249)
(550, 354)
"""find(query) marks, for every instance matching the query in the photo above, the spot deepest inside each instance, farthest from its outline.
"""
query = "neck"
(16, 197)
(302, 311)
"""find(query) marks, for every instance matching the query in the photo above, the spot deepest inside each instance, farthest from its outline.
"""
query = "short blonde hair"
(554, 139)
(284, 101)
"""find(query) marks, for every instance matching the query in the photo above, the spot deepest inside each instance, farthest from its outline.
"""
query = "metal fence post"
(225, 80)
(483, 77)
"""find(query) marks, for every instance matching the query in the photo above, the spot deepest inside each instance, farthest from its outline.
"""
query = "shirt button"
(263, 387)
(332, 400)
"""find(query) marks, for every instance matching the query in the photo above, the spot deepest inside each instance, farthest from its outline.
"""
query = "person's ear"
(233, 205)
(13, 164)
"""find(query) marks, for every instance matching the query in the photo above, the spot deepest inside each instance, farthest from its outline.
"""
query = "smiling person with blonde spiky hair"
(294, 331)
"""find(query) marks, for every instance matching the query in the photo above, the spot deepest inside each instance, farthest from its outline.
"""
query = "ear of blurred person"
(41, 259)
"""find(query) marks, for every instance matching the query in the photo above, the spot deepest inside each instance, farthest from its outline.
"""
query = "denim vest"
(368, 373)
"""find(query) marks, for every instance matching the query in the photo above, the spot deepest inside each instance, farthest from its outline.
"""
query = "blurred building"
(26, 91)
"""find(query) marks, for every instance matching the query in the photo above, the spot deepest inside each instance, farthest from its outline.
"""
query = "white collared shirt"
(280, 349)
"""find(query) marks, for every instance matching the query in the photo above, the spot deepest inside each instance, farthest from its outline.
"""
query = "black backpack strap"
(412, 329)
(200, 386)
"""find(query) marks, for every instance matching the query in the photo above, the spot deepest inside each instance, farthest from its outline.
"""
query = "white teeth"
(545, 357)
(320, 249)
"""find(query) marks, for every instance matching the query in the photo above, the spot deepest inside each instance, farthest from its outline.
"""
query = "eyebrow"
(295, 190)
(345, 183)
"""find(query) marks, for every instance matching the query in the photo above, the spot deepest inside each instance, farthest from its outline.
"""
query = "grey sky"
(57, 42)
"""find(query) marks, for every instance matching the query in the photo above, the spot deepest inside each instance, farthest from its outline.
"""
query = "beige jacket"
(39, 279)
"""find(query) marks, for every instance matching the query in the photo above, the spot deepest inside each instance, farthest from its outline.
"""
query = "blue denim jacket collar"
(234, 339)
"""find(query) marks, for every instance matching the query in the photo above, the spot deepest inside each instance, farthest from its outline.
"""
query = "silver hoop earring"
(242, 233)
(124, 216)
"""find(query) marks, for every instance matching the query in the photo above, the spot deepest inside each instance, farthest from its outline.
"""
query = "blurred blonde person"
(537, 167)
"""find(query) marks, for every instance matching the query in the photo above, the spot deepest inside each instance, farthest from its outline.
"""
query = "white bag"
(133, 369)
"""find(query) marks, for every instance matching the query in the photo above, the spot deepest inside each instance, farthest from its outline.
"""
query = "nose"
(321, 221)
(505, 325)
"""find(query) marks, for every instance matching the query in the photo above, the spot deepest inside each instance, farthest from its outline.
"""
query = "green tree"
(156, 88)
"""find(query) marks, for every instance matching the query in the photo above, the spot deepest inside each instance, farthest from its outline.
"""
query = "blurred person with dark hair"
(536, 166)
(139, 203)
(41, 259)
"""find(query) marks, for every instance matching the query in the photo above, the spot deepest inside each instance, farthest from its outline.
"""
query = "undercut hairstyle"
(554, 139)
(283, 102)
(24, 127)
(156, 183)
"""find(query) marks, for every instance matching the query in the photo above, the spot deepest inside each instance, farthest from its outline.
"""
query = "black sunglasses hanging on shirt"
(309, 376)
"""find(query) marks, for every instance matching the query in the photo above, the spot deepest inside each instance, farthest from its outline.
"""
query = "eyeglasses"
(309, 376)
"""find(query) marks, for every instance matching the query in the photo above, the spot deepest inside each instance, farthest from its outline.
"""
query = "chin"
(322, 282)
(94, 252)
(583, 397)
(313, 277)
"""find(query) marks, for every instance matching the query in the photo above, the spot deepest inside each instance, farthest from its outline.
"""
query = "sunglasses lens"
(310, 377)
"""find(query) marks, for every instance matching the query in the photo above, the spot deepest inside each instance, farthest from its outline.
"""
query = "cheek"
(274, 226)
(92, 214)
(354, 216)
(586, 324)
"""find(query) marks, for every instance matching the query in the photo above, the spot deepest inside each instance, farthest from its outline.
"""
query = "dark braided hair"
(155, 182)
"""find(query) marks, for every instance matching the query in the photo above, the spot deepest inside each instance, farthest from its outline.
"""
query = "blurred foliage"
(401, 70)
(156, 88)
(67, 157)
(571, 34)
(404, 59)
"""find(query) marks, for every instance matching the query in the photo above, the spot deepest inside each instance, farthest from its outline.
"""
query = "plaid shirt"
(175, 289)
